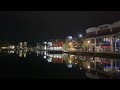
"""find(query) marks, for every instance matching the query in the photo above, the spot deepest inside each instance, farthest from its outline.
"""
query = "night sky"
(45, 25)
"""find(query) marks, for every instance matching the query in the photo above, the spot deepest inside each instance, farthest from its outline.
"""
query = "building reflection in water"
(95, 67)
(70, 60)
(54, 58)
(38, 52)
(22, 53)
(101, 66)
(12, 51)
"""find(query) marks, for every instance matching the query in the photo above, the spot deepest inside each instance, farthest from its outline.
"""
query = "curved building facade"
(106, 38)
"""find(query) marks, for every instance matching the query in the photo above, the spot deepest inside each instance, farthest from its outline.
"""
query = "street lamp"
(80, 35)
(88, 41)
(70, 43)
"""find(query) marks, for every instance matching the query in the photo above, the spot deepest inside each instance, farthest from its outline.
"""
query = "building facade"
(104, 38)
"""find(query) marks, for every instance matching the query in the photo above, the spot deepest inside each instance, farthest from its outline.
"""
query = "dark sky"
(43, 25)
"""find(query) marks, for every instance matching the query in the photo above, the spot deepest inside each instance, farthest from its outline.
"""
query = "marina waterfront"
(44, 65)
(60, 44)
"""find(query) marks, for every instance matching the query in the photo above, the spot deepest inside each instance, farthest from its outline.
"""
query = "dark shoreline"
(56, 52)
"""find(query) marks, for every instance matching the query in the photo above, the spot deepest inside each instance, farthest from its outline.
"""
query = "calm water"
(37, 65)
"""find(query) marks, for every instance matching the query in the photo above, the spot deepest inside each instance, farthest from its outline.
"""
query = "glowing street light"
(88, 67)
(70, 43)
(88, 41)
(80, 35)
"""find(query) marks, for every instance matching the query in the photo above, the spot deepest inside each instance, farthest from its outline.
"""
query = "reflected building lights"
(45, 57)
(11, 51)
(69, 65)
(49, 60)
(38, 52)
(20, 54)
(24, 54)
(45, 53)
(71, 61)
(16, 52)
(76, 63)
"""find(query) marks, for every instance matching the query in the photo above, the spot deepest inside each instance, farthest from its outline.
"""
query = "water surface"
(43, 65)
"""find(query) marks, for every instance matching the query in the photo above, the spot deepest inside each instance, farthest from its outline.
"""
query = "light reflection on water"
(95, 67)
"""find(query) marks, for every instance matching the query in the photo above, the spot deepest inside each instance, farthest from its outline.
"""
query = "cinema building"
(104, 38)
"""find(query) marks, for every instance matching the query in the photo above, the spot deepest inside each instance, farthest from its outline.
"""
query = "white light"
(80, 35)
(69, 65)
(24, 54)
(45, 53)
(75, 57)
(60, 47)
(54, 56)
(44, 57)
(80, 68)
(70, 43)
(45, 48)
(72, 55)
(20, 55)
(50, 43)
(4, 47)
(104, 39)
(75, 63)
(12, 47)
(69, 37)
(60, 56)
(50, 60)
(70, 62)
(55, 48)
(88, 41)
(88, 67)
(11, 52)
(37, 54)
(51, 48)
(45, 42)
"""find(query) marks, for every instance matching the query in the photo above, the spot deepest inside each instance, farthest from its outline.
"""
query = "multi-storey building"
(104, 38)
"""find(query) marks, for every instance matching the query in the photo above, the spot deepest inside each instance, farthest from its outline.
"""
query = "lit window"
(104, 39)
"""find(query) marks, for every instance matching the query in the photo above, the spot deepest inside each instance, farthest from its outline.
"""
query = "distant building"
(22, 45)
(56, 45)
(104, 38)
(70, 44)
